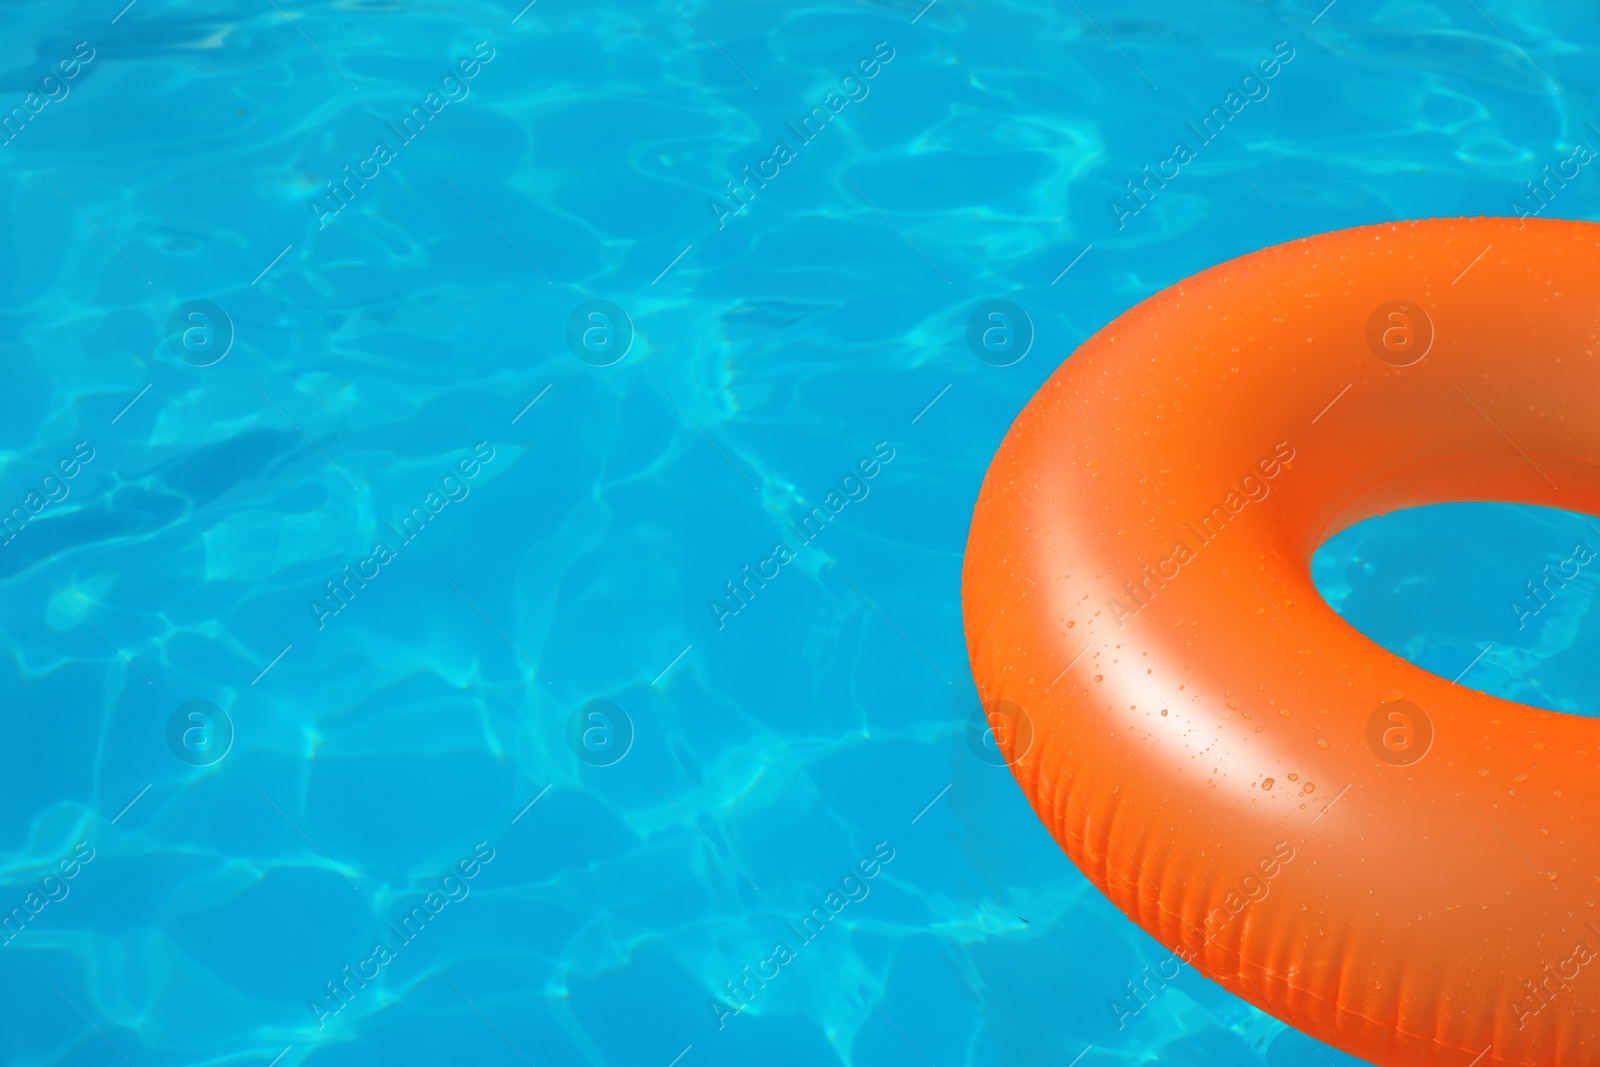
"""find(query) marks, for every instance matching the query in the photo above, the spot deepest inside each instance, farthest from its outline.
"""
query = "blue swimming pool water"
(524, 773)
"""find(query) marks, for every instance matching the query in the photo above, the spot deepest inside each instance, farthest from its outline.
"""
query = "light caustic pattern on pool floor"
(408, 665)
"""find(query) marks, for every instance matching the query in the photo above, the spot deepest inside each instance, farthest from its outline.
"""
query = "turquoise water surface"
(489, 486)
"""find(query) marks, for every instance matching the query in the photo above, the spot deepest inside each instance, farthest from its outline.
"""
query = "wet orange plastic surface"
(1202, 742)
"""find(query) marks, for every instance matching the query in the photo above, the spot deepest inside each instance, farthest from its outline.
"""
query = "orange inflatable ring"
(1399, 866)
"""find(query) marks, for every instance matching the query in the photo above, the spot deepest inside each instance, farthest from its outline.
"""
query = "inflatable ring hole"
(1501, 598)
